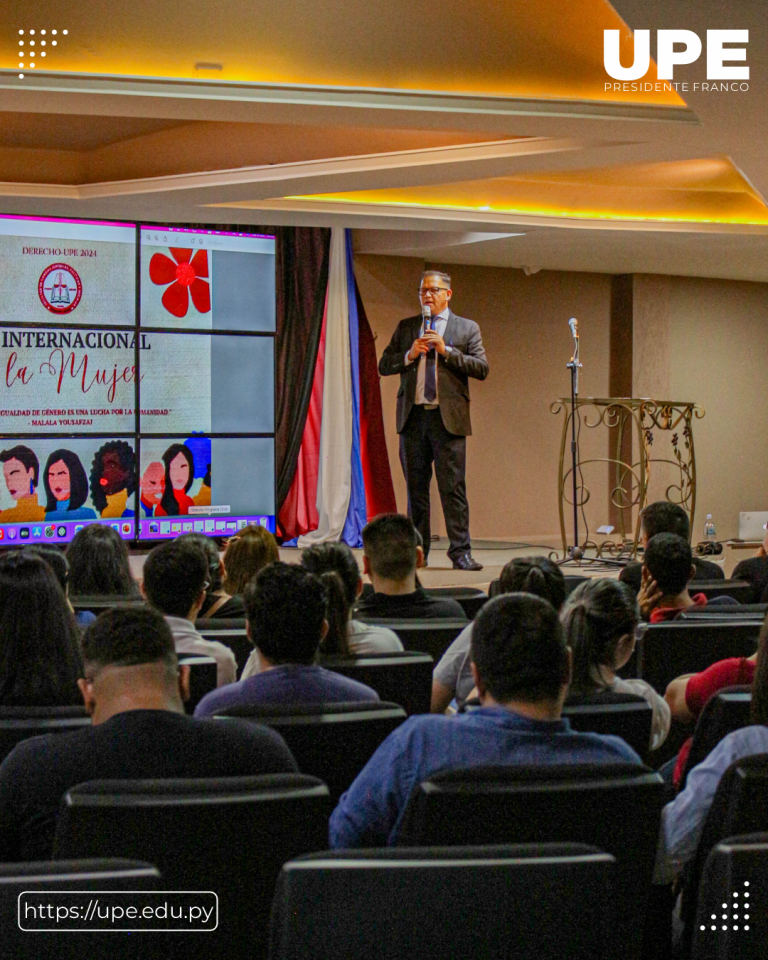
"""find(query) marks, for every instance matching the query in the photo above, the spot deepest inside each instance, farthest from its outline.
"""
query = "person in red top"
(688, 694)
(667, 569)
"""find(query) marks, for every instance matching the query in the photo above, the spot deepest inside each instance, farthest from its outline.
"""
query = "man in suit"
(435, 353)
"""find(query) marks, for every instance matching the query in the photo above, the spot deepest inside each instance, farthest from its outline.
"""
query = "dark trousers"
(425, 440)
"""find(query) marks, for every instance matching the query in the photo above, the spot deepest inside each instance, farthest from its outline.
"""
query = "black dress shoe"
(465, 562)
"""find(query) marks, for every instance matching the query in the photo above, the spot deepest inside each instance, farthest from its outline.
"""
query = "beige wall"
(693, 339)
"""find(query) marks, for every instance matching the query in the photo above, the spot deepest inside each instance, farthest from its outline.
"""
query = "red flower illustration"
(184, 277)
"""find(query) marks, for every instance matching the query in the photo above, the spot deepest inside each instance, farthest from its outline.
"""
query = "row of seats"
(440, 889)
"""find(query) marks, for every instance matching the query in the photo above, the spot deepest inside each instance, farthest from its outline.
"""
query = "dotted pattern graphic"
(31, 50)
(737, 913)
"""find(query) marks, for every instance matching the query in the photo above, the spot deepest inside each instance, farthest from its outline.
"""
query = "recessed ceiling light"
(484, 209)
(21, 76)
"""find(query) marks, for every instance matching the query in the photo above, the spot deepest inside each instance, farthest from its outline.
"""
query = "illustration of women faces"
(112, 479)
(179, 477)
(152, 488)
(66, 487)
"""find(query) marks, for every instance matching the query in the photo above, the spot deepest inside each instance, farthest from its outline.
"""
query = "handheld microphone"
(426, 316)
(573, 323)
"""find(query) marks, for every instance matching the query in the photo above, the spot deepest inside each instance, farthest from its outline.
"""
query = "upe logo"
(59, 288)
(688, 50)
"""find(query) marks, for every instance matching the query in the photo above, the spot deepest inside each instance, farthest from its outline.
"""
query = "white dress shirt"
(187, 640)
(439, 323)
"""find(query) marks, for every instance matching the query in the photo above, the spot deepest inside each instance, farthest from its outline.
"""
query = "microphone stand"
(575, 552)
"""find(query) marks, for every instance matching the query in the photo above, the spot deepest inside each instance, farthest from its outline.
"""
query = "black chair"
(404, 678)
(621, 714)
(230, 835)
(667, 650)
(100, 602)
(332, 741)
(740, 806)
(43, 882)
(427, 636)
(736, 873)
(471, 599)
(220, 623)
(233, 637)
(728, 710)
(721, 611)
(615, 807)
(20, 723)
(202, 678)
(529, 902)
(738, 589)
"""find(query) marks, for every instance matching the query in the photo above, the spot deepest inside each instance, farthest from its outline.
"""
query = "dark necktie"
(430, 373)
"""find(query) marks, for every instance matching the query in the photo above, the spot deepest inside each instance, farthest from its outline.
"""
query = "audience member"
(218, 603)
(133, 687)
(665, 517)
(175, 583)
(667, 569)
(59, 564)
(683, 819)
(755, 571)
(688, 694)
(522, 669)
(391, 554)
(285, 610)
(39, 655)
(249, 551)
(99, 565)
(600, 620)
(452, 677)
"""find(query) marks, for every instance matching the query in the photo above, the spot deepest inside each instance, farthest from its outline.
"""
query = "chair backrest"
(233, 637)
(736, 873)
(230, 835)
(723, 611)
(529, 902)
(427, 636)
(471, 599)
(726, 711)
(100, 602)
(202, 678)
(47, 883)
(616, 808)
(332, 741)
(667, 650)
(404, 678)
(738, 589)
(20, 723)
(621, 714)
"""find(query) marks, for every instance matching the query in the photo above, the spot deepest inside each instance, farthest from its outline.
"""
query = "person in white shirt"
(175, 583)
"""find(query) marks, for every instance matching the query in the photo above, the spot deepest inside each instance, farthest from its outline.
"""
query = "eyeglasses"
(433, 290)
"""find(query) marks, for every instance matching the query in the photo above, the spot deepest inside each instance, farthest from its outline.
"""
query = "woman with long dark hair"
(99, 565)
(600, 620)
(39, 655)
(218, 603)
(66, 487)
(682, 820)
(179, 477)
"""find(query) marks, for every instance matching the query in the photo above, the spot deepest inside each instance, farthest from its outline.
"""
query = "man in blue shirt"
(285, 611)
(522, 668)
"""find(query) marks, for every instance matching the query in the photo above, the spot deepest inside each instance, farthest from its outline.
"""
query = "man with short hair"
(522, 668)
(285, 619)
(667, 569)
(435, 353)
(665, 517)
(391, 554)
(133, 688)
(175, 583)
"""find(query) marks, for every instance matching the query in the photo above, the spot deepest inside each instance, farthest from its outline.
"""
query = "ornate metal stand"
(631, 422)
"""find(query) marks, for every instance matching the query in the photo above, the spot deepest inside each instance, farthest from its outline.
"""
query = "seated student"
(134, 688)
(522, 669)
(99, 565)
(665, 517)
(667, 570)
(175, 583)
(249, 551)
(218, 603)
(60, 567)
(452, 677)
(755, 571)
(682, 820)
(688, 694)
(285, 608)
(391, 554)
(39, 654)
(600, 620)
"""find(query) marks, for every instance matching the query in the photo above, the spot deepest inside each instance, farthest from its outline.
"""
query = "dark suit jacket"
(466, 359)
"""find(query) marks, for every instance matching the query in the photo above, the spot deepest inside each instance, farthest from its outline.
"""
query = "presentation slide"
(207, 279)
(68, 271)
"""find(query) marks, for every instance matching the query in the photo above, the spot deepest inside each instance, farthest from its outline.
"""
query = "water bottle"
(709, 529)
